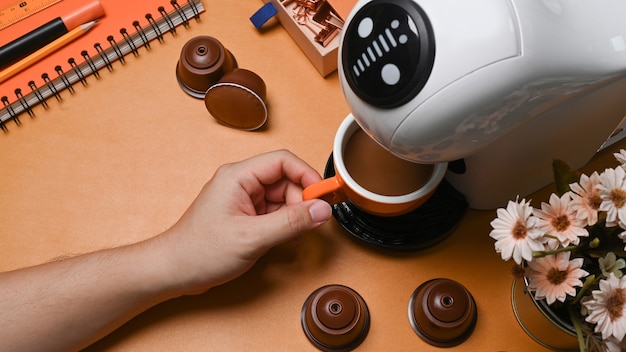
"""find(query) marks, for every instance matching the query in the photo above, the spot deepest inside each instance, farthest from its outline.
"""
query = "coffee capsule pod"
(442, 312)
(203, 61)
(238, 100)
(335, 318)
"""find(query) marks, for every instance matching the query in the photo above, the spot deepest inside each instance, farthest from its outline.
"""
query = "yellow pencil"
(45, 51)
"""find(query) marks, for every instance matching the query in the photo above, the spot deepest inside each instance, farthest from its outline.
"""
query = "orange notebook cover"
(120, 16)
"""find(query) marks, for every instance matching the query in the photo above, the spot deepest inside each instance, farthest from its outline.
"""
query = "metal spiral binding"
(51, 87)
(66, 82)
(103, 56)
(35, 90)
(9, 109)
(23, 102)
(168, 20)
(142, 34)
(91, 65)
(155, 27)
(89, 61)
(116, 48)
(80, 74)
(130, 43)
(180, 13)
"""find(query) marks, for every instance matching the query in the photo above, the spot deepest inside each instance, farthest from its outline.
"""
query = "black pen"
(47, 33)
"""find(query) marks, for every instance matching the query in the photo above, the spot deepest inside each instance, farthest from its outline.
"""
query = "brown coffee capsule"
(203, 61)
(335, 318)
(238, 100)
(442, 312)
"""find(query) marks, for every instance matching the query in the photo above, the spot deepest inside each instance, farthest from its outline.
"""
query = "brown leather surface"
(121, 159)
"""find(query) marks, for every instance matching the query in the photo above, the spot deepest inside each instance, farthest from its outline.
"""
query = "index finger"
(270, 167)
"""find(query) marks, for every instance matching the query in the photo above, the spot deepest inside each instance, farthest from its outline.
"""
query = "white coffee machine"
(498, 88)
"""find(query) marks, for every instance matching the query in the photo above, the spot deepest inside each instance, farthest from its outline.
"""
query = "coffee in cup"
(372, 178)
(381, 172)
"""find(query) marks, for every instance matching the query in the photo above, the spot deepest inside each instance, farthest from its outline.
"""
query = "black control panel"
(388, 52)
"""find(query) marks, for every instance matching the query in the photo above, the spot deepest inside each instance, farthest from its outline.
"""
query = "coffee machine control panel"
(388, 52)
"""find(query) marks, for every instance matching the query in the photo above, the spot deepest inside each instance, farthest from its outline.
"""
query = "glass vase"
(540, 322)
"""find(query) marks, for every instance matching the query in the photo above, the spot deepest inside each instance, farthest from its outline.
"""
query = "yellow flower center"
(561, 223)
(618, 197)
(595, 201)
(556, 276)
(615, 303)
(519, 230)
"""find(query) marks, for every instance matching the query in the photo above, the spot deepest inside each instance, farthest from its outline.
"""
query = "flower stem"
(539, 254)
(591, 279)
(579, 331)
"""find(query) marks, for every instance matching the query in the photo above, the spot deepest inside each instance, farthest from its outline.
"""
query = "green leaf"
(563, 176)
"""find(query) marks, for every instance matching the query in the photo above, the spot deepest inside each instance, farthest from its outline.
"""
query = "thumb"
(291, 220)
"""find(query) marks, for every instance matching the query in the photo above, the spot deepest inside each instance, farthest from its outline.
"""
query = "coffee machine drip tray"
(428, 225)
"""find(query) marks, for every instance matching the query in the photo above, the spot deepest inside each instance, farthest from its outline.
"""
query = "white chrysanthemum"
(621, 157)
(553, 277)
(515, 232)
(607, 309)
(559, 219)
(614, 345)
(623, 237)
(586, 198)
(610, 264)
(612, 189)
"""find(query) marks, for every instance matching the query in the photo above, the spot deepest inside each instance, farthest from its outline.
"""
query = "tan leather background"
(120, 160)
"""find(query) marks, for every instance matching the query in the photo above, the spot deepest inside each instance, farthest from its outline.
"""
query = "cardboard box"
(319, 41)
(343, 7)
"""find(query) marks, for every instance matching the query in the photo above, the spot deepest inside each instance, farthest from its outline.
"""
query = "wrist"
(156, 265)
(176, 268)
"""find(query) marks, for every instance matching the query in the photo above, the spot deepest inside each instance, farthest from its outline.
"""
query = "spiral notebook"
(126, 28)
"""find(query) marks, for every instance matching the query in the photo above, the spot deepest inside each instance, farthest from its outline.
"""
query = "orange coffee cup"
(372, 178)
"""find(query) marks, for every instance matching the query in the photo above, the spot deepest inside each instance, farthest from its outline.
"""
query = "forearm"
(243, 211)
(68, 304)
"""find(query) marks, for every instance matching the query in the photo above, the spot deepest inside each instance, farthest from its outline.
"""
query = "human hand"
(244, 210)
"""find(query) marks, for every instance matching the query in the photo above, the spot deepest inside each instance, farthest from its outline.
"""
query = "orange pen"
(45, 34)
(45, 51)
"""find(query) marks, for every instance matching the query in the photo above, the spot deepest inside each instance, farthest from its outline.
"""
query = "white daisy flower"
(609, 264)
(612, 189)
(623, 237)
(553, 277)
(515, 232)
(614, 345)
(607, 309)
(559, 219)
(586, 198)
(621, 157)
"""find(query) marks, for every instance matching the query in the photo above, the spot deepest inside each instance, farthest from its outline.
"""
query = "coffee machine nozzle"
(500, 87)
